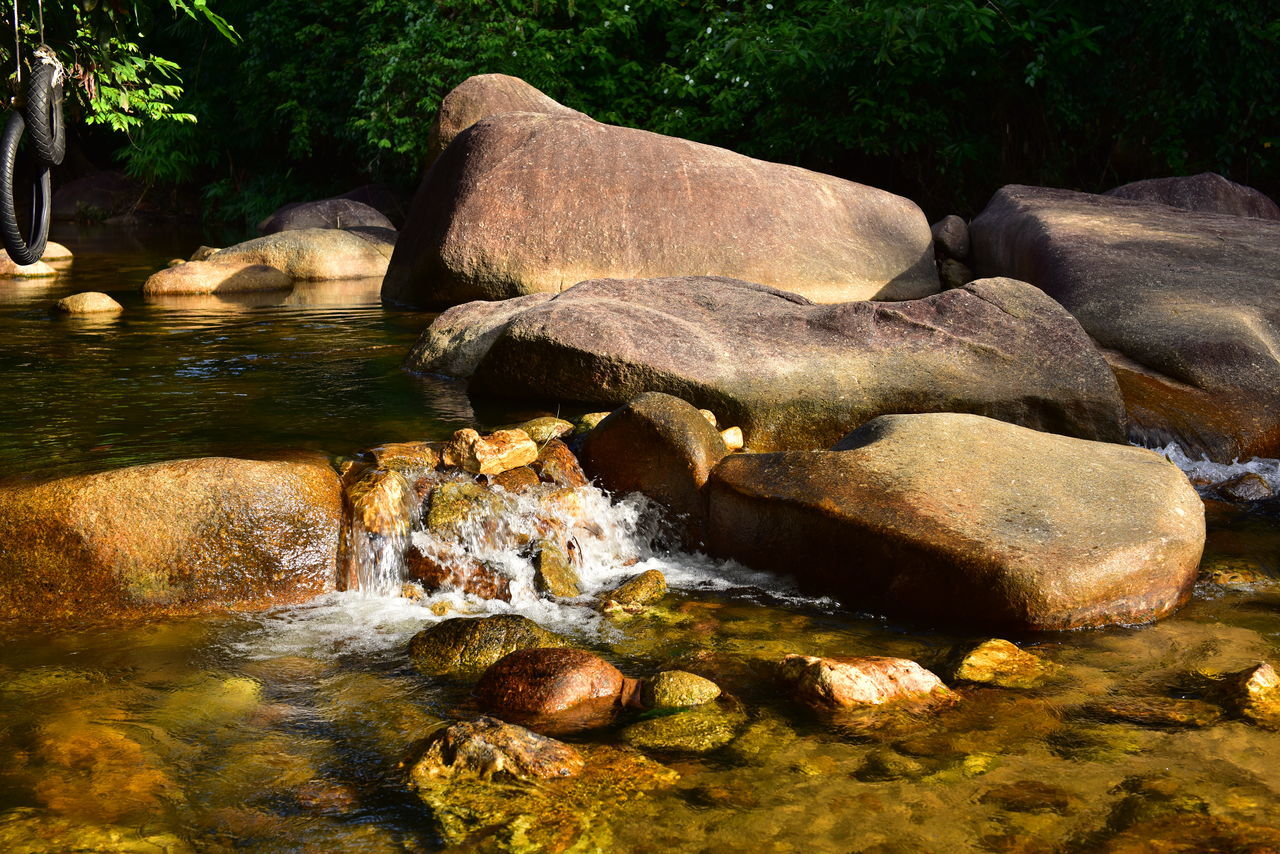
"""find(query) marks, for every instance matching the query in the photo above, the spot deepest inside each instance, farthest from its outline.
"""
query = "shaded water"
(284, 731)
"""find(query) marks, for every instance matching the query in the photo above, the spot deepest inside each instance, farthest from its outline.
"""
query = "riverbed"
(285, 730)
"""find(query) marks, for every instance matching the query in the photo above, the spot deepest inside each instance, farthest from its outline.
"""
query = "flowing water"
(283, 731)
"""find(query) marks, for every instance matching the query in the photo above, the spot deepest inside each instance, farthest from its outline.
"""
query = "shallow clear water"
(284, 731)
(316, 367)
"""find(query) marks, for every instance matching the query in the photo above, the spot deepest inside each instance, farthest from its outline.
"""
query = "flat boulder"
(216, 277)
(311, 253)
(1208, 192)
(524, 203)
(484, 95)
(863, 681)
(1183, 303)
(789, 373)
(964, 520)
(185, 536)
(325, 213)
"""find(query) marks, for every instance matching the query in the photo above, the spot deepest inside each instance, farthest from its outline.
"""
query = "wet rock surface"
(89, 302)
(867, 681)
(487, 747)
(545, 686)
(789, 373)
(700, 729)
(467, 646)
(1183, 301)
(501, 214)
(677, 688)
(185, 536)
(964, 518)
(1001, 663)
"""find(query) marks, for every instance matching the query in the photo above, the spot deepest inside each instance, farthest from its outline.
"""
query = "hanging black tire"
(22, 250)
(46, 138)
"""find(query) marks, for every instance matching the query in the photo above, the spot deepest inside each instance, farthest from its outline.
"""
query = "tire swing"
(40, 119)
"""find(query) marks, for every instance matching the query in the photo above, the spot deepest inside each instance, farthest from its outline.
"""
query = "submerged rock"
(882, 765)
(851, 682)
(1001, 663)
(675, 688)
(186, 536)
(554, 689)
(699, 729)
(788, 373)
(659, 446)
(547, 814)
(467, 646)
(516, 206)
(1192, 833)
(88, 302)
(487, 747)
(1245, 487)
(33, 831)
(1192, 341)
(1154, 711)
(968, 520)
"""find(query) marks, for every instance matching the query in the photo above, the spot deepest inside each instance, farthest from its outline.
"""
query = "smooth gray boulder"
(790, 373)
(325, 213)
(968, 521)
(523, 203)
(1184, 303)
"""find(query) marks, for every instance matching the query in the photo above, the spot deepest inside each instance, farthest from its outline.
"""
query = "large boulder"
(87, 302)
(325, 213)
(1208, 192)
(485, 95)
(1184, 303)
(175, 537)
(523, 203)
(965, 520)
(790, 373)
(311, 253)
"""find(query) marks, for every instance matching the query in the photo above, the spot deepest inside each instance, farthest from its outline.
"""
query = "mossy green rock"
(646, 588)
(568, 814)
(588, 422)
(452, 503)
(554, 571)
(677, 688)
(883, 765)
(467, 646)
(700, 729)
(1001, 663)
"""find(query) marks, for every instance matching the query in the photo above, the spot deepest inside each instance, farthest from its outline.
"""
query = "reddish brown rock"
(967, 520)
(482, 96)
(1207, 192)
(570, 687)
(186, 536)
(515, 480)
(462, 573)
(407, 456)
(662, 447)
(850, 682)
(789, 373)
(557, 464)
(523, 203)
(1183, 303)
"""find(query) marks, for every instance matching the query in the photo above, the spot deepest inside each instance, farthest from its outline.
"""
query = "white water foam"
(1204, 468)
(615, 540)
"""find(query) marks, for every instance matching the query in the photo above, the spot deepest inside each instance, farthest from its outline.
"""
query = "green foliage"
(942, 100)
(115, 81)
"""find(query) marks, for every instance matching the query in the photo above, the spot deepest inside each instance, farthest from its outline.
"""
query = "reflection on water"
(317, 366)
(284, 731)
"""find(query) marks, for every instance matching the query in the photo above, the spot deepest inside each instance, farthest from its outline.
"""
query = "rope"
(17, 45)
(40, 6)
